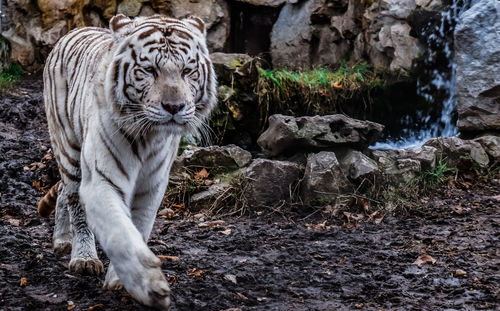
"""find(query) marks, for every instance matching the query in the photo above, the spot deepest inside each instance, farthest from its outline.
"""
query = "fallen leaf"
(172, 279)
(242, 296)
(196, 273)
(460, 272)
(261, 298)
(231, 278)
(423, 259)
(318, 227)
(12, 221)
(226, 232)
(211, 224)
(337, 85)
(169, 258)
(71, 307)
(201, 174)
(24, 282)
(36, 184)
(99, 305)
(318, 256)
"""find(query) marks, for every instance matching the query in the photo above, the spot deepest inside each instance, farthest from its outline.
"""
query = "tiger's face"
(161, 75)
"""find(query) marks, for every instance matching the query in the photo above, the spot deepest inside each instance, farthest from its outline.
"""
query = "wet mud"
(266, 262)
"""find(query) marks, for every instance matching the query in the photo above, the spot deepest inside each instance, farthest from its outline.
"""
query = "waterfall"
(440, 84)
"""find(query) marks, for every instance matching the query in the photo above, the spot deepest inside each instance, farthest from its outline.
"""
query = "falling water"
(441, 81)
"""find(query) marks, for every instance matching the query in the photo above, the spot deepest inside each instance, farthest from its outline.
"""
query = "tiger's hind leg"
(61, 241)
(83, 253)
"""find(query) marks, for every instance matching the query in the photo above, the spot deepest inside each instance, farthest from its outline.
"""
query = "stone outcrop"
(33, 27)
(358, 166)
(490, 144)
(270, 182)
(226, 158)
(399, 166)
(323, 179)
(477, 57)
(454, 150)
(288, 134)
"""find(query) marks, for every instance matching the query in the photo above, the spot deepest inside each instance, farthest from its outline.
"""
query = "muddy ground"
(266, 262)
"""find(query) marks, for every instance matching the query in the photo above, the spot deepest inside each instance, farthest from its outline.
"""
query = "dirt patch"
(263, 262)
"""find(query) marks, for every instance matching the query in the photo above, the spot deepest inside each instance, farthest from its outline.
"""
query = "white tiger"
(117, 102)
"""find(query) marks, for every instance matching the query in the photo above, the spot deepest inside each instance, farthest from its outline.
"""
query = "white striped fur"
(117, 102)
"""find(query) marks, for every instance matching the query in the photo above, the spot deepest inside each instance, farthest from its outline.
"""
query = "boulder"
(4, 53)
(271, 3)
(426, 155)
(323, 179)
(454, 150)
(395, 169)
(270, 182)
(477, 58)
(490, 144)
(228, 64)
(204, 198)
(358, 166)
(222, 158)
(287, 134)
(215, 14)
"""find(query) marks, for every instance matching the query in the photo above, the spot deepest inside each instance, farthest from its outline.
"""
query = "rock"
(323, 179)
(204, 198)
(215, 14)
(395, 169)
(287, 134)
(226, 65)
(454, 150)
(224, 158)
(130, 8)
(271, 3)
(477, 58)
(358, 166)
(426, 155)
(4, 53)
(491, 144)
(270, 182)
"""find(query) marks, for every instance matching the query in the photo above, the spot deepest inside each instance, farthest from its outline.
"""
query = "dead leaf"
(319, 227)
(36, 184)
(318, 256)
(197, 273)
(172, 279)
(460, 272)
(423, 259)
(231, 278)
(169, 258)
(24, 282)
(242, 296)
(337, 85)
(211, 224)
(71, 307)
(201, 174)
(12, 221)
(99, 305)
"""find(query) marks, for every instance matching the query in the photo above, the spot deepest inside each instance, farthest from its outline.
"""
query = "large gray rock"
(401, 165)
(453, 150)
(288, 134)
(223, 158)
(358, 166)
(215, 14)
(477, 57)
(269, 182)
(491, 145)
(323, 179)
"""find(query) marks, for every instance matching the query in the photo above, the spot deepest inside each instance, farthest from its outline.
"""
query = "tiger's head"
(161, 76)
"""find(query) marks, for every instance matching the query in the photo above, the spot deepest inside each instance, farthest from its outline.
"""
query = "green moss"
(10, 74)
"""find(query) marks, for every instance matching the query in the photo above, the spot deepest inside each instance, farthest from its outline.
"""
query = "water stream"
(439, 85)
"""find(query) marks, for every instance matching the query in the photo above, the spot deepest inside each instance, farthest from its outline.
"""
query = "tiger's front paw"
(112, 282)
(86, 266)
(61, 246)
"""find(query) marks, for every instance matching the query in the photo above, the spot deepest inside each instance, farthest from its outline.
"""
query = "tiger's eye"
(186, 71)
(150, 70)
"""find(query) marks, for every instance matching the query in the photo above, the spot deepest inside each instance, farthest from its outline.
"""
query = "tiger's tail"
(48, 203)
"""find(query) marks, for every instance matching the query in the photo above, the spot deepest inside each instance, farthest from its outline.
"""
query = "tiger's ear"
(120, 25)
(196, 22)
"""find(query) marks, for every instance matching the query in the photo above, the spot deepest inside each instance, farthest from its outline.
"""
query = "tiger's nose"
(173, 108)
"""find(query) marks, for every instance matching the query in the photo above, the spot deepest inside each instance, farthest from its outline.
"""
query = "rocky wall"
(305, 33)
